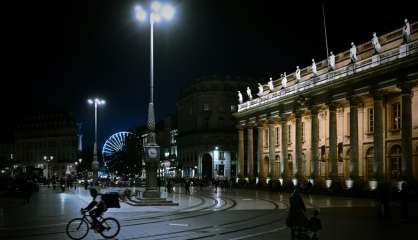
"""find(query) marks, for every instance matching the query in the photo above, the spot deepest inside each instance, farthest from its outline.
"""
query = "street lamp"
(47, 159)
(157, 13)
(96, 102)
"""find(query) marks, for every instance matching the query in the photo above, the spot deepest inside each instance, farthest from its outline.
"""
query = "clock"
(152, 152)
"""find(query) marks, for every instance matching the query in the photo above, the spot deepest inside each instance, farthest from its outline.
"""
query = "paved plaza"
(236, 214)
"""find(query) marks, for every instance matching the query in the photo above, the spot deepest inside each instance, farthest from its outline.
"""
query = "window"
(221, 155)
(370, 117)
(266, 138)
(277, 136)
(348, 124)
(289, 134)
(303, 132)
(205, 107)
(395, 161)
(396, 116)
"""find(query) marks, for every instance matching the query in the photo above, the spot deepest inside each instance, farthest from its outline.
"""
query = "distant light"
(90, 101)
(140, 13)
(167, 12)
(51, 157)
(44, 157)
(156, 6)
(216, 148)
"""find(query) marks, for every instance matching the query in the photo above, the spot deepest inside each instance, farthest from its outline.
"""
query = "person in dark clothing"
(96, 209)
(27, 190)
(404, 199)
(187, 186)
(296, 219)
(383, 200)
(86, 184)
(314, 225)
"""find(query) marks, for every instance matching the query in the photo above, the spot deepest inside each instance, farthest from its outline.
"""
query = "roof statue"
(250, 96)
(376, 44)
(271, 86)
(240, 100)
(314, 71)
(406, 32)
(260, 90)
(353, 53)
(297, 73)
(284, 80)
(331, 60)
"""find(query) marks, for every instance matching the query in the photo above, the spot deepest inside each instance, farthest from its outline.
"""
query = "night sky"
(56, 54)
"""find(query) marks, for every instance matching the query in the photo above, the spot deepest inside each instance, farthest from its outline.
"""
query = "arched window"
(395, 161)
(369, 161)
(323, 153)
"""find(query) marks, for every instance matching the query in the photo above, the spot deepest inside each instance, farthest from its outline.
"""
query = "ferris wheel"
(115, 144)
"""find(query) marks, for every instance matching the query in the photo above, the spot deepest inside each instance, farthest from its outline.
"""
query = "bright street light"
(97, 102)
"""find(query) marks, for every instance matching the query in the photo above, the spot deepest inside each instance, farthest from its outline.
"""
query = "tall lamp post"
(95, 164)
(157, 13)
(47, 159)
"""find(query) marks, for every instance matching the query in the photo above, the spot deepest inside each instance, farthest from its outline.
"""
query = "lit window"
(396, 116)
(221, 155)
(266, 137)
(303, 132)
(370, 113)
(205, 107)
(277, 136)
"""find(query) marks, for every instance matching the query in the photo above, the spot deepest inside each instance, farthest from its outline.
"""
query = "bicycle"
(78, 228)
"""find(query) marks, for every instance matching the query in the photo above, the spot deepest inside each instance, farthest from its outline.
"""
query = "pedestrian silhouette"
(296, 219)
(404, 199)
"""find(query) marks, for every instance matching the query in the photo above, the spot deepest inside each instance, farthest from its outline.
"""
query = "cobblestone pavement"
(237, 214)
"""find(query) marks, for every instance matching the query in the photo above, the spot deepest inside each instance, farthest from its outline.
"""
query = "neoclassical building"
(355, 118)
(207, 142)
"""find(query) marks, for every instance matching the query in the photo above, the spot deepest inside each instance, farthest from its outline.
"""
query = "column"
(378, 136)
(240, 152)
(298, 143)
(314, 142)
(260, 146)
(250, 152)
(406, 130)
(354, 138)
(332, 158)
(284, 169)
(272, 146)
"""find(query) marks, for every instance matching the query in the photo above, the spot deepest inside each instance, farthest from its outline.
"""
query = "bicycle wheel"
(77, 228)
(111, 228)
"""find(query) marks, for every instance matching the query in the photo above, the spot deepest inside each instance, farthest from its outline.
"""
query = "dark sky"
(56, 54)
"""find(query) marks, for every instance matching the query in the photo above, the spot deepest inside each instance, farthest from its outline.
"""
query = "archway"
(207, 166)
(395, 161)
(369, 162)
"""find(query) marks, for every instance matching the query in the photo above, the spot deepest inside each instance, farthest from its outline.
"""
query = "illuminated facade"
(357, 121)
(206, 128)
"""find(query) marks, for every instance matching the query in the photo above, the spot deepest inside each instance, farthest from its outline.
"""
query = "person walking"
(383, 200)
(404, 199)
(187, 186)
(296, 219)
(27, 190)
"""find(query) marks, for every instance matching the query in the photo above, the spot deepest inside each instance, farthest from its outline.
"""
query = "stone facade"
(207, 142)
(357, 121)
(51, 135)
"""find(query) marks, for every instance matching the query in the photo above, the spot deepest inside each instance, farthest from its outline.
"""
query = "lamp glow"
(156, 6)
(167, 12)
(140, 13)
(90, 101)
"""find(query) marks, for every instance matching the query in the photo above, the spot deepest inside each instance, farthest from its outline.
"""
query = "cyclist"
(96, 209)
